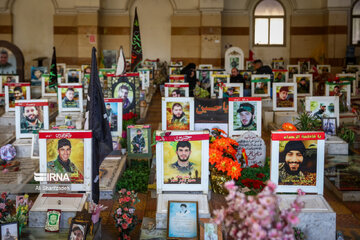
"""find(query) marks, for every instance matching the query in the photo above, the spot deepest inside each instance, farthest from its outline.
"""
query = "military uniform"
(303, 88)
(140, 140)
(182, 119)
(251, 127)
(183, 169)
(26, 127)
(66, 103)
(56, 166)
(288, 179)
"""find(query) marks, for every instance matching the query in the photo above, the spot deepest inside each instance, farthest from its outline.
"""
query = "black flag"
(53, 72)
(96, 120)
(136, 49)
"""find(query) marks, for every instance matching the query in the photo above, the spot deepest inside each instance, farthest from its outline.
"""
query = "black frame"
(322, 124)
(19, 58)
(133, 88)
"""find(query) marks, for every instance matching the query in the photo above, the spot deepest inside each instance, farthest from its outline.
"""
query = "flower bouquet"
(7, 206)
(124, 215)
(95, 210)
(253, 179)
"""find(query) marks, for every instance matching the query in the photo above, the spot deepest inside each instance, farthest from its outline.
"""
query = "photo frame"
(304, 83)
(52, 223)
(36, 73)
(343, 91)
(350, 77)
(21, 202)
(204, 77)
(15, 91)
(209, 230)
(323, 68)
(78, 230)
(297, 161)
(245, 115)
(144, 77)
(174, 70)
(139, 141)
(125, 88)
(176, 89)
(323, 106)
(205, 66)
(7, 79)
(2, 99)
(182, 222)
(260, 85)
(35, 150)
(304, 66)
(73, 75)
(352, 68)
(177, 113)
(210, 126)
(284, 97)
(216, 81)
(249, 65)
(70, 97)
(280, 75)
(45, 90)
(85, 69)
(77, 143)
(292, 69)
(231, 90)
(277, 64)
(329, 126)
(114, 112)
(8, 230)
(177, 78)
(194, 176)
(31, 116)
(61, 69)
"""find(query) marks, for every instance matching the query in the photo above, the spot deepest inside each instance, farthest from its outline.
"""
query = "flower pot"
(217, 181)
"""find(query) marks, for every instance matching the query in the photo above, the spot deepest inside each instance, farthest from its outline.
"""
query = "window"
(356, 23)
(269, 16)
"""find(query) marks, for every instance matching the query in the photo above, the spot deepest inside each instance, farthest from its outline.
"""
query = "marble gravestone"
(255, 148)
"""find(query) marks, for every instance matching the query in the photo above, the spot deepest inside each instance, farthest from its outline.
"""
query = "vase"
(217, 181)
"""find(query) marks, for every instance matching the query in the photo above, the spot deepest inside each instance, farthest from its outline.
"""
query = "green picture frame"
(139, 141)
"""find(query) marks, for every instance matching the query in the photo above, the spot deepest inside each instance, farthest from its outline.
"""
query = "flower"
(260, 175)
(124, 226)
(118, 211)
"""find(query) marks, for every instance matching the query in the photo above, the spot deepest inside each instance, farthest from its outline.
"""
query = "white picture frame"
(86, 136)
(74, 86)
(280, 137)
(243, 104)
(180, 86)
(321, 67)
(302, 64)
(240, 87)
(283, 72)
(10, 105)
(73, 70)
(290, 68)
(225, 78)
(177, 78)
(174, 70)
(5, 79)
(35, 149)
(117, 104)
(19, 118)
(353, 82)
(312, 105)
(44, 78)
(275, 88)
(260, 77)
(178, 136)
(297, 78)
(144, 74)
(347, 87)
(171, 101)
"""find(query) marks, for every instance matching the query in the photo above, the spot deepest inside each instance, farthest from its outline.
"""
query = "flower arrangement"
(95, 210)
(258, 217)
(124, 215)
(299, 235)
(7, 206)
(253, 179)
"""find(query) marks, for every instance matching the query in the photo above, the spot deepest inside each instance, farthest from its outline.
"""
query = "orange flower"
(288, 127)
(214, 156)
(234, 170)
(222, 165)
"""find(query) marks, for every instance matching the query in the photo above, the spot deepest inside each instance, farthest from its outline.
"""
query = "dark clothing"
(237, 79)
(139, 140)
(192, 83)
(264, 70)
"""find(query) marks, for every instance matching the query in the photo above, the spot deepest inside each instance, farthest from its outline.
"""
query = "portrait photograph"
(9, 231)
(126, 91)
(277, 64)
(234, 62)
(113, 107)
(21, 201)
(249, 65)
(284, 97)
(352, 68)
(46, 90)
(244, 115)
(304, 66)
(61, 69)
(210, 231)
(323, 106)
(144, 77)
(209, 126)
(176, 89)
(15, 91)
(73, 75)
(343, 91)
(8, 79)
(110, 57)
(246, 75)
(70, 97)
(324, 68)
(216, 82)
(139, 141)
(78, 230)
(31, 116)
(36, 74)
(329, 126)
(280, 76)
(231, 90)
(348, 77)
(298, 161)
(53, 220)
(7, 61)
(293, 69)
(177, 113)
(174, 70)
(182, 220)
(204, 77)
(304, 84)
(85, 69)
(176, 78)
(260, 85)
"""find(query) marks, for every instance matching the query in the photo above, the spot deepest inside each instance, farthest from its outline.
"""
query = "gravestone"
(255, 148)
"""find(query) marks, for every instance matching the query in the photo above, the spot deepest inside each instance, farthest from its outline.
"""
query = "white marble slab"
(7, 119)
(23, 147)
(284, 117)
(114, 168)
(334, 145)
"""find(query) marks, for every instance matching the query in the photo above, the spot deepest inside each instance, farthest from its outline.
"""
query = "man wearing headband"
(283, 98)
(62, 163)
(291, 161)
(247, 118)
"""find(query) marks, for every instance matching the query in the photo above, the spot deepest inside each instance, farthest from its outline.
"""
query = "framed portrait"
(15, 91)
(61, 69)
(246, 75)
(8, 79)
(177, 113)
(278, 64)
(209, 230)
(46, 91)
(304, 83)
(182, 159)
(2, 99)
(73, 75)
(348, 77)
(67, 153)
(176, 89)
(293, 69)
(31, 116)
(174, 70)
(36, 73)
(85, 69)
(21, 201)
(8, 63)
(144, 77)
(343, 91)
(177, 78)
(280, 75)
(70, 97)
(329, 126)
(323, 68)
(216, 82)
(114, 109)
(182, 220)
(249, 65)
(52, 223)
(139, 141)
(284, 97)
(110, 57)
(245, 115)
(205, 66)
(297, 161)
(231, 90)
(304, 66)
(9, 231)
(125, 90)
(260, 85)
(323, 106)
(78, 230)
(352, 68)
(35, 146)
(204, 77)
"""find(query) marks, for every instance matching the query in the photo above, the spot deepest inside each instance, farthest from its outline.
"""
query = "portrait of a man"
(204, 78)
(279, 76)
(341, 92)
(123, 93)
(303, 85)
(138, 142)
(77, 232)
(36, 74)
(245, 118)
(292, 71)
(7, 62)
(183, 210)
(321, 111)
(73, 76)
(70, 98)
(284, 97)
(183, 152)
(179, 119)
(329, 126)
(176, 93)
(112, 114)
(9, 231)
(16, 93)
(31, 119)
(231, 92)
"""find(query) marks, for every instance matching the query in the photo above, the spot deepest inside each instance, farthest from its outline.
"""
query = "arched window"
(269, 21)
(355, 15)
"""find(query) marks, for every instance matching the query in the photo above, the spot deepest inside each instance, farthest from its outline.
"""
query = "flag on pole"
(53, 72)
(97, 121)
(136, 49)
(121, 64)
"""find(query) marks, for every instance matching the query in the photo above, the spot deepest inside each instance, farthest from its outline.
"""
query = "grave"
(336, 146)
(285, 117)
(255, 148)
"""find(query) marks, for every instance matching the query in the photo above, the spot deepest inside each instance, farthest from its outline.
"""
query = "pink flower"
(2, 205)
(274, 234)
(124, 226)
(292, 218)
(131, 210)
(261, 213)
(230, 185)
(271, 185)
(267, 201)
(123, 190)
(118, 211)
(128, 193)
(300, 192)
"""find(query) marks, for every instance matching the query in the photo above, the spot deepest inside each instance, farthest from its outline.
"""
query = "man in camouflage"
(247, 118)
(138, 142)
(30, 121)
(178, 114)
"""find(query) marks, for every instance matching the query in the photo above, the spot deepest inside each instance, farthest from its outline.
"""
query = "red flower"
(260, 175)
(254, 166)
(3, 195)
(124, 226)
